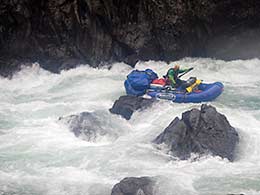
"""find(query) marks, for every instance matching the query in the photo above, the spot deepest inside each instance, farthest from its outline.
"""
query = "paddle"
(185, 72)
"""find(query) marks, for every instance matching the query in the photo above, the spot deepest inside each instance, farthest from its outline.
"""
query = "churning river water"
(40, 156)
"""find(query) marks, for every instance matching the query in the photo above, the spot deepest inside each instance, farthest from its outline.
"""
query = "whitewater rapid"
(40, 156)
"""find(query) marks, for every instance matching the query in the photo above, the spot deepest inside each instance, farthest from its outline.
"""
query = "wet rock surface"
(92, 126)
(126, 105)
(134, 186)
(63, 33)
(202, 131)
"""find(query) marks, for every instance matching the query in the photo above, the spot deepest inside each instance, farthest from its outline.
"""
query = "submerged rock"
(134, 186)
(92, 126)
(202, 131)
(126, 105)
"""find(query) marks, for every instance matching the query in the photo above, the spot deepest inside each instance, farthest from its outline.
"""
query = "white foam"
(42, 156)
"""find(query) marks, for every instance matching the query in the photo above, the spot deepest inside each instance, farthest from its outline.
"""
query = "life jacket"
(175, 76)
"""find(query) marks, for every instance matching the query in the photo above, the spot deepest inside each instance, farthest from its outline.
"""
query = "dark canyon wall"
(61, 33)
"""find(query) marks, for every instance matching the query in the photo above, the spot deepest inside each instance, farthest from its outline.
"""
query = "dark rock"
(126, 105)
(235, 194)
(200, 131)
(134, 186)
(239, 45)
(13, 66)
(117, 30)
(70, 63)
(6, 70)
(91, 126)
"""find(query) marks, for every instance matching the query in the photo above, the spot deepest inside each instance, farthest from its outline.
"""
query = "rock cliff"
(60, 34)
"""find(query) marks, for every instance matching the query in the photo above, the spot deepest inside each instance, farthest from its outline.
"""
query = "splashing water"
(38, 155)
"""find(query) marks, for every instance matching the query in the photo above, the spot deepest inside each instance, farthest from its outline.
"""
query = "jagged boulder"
(202, 131)
(135, 186)
(92, 126)
(126, 105)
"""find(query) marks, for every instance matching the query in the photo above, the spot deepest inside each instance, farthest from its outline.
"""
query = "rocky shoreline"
(62, 34)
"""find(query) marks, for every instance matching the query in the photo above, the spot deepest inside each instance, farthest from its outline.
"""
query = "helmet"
(176, 67)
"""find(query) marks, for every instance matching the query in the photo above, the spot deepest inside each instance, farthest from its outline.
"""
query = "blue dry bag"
(138, 82)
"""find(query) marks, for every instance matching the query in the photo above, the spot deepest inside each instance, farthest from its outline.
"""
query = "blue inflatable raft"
(204, 93)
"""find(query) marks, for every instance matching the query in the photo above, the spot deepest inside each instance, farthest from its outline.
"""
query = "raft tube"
(205, 93)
